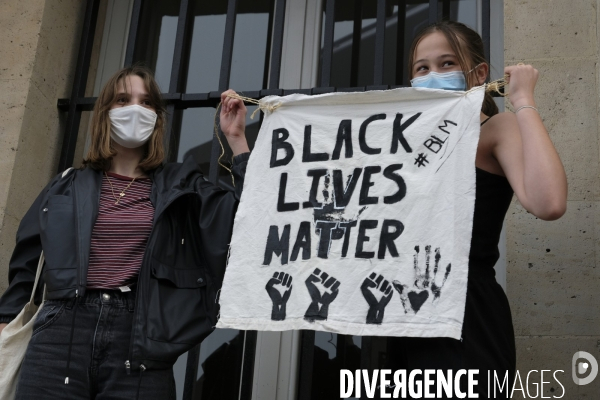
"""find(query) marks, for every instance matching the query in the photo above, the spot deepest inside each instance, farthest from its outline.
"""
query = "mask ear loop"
(474, 68)
(471, 70)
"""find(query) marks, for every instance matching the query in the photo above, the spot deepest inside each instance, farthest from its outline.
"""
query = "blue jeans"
(99, 349)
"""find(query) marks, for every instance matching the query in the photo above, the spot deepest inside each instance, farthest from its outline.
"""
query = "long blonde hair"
(101, 150)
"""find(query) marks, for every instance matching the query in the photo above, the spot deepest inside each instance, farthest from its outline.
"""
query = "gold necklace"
(112, 189)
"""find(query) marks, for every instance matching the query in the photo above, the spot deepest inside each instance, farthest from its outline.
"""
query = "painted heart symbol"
(417, 299)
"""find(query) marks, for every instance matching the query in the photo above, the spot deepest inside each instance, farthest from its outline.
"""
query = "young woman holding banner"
(135, 253)
(514, 154)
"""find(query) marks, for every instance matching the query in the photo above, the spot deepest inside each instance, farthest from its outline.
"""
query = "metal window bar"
(327, 54)
(177, 79)
(446, 9)
(270, 31)
(277, 46)
(485, 27)
(134, 28)
(67, 152)
(401, 22)
(433, 11)
(191, 372)
(175, 100)
(248, 364)
(213, 175)
(356, 31)
(306, 365)
(379, 43)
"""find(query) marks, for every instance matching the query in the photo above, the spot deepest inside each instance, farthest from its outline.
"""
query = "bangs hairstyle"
(468, 47)
(101, 149)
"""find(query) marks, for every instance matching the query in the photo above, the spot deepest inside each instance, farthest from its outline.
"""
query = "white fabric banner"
(356, 215)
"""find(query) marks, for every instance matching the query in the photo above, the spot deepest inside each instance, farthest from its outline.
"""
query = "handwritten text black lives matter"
(338, 186)
(329, 227)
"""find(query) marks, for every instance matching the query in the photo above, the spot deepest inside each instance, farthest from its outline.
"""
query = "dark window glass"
(415, 16)
(220, 366)
(155, 43)
(196, 136)
(251, 44)
(249, 67)
(221, 354)
(197, 129)
(206, 46)
(353, 57)
(333, 352)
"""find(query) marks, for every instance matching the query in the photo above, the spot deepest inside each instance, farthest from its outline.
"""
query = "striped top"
(120, 233)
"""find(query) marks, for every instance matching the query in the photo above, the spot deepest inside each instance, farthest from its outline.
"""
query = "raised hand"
(232, 120)
(283, 281)
(319, 307)
(376, 307)
(425, 283)
(521, 84)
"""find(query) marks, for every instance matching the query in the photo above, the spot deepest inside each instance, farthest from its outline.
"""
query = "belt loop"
(69, 303)
(131, 301)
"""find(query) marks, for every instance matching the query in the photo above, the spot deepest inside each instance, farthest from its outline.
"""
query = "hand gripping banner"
(356, 215)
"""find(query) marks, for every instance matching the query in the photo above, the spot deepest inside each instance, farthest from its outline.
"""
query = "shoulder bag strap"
(37, 276)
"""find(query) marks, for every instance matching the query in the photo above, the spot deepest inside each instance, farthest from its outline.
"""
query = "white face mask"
(454, 80)
(131, 126)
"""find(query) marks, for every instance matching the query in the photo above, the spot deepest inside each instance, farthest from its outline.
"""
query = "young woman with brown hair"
(134, 250)
(514, 155)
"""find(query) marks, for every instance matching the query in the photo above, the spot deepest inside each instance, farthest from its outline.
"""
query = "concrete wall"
(38, 51)
(553, 277)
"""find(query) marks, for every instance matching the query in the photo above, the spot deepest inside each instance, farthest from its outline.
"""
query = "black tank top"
(493, 195)
(492, 199)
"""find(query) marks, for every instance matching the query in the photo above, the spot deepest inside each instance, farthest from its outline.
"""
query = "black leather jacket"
(183, 265)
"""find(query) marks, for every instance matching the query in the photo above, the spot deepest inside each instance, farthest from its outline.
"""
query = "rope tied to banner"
(261, 106)
(494, 86)
(497, 85)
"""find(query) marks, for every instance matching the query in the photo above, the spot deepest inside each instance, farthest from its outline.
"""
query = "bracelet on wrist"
(522, 107)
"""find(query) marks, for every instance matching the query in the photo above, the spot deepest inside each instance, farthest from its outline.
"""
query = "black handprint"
(414, 298)
(279, 301)
(376, 308)
(315, 311)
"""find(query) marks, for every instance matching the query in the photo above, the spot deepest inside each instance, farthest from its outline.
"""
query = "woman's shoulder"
(499, 127)
(175, 171)
(188, 165)
(67, 174)
(500, 120)
(497, 131)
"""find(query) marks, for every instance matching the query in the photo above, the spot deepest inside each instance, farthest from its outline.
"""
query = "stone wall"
(553, 279)
(38, 52)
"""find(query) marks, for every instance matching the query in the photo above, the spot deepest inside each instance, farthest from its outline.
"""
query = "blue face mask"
(448, 81)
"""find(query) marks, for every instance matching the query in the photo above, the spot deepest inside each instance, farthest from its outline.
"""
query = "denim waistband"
(112, 297)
